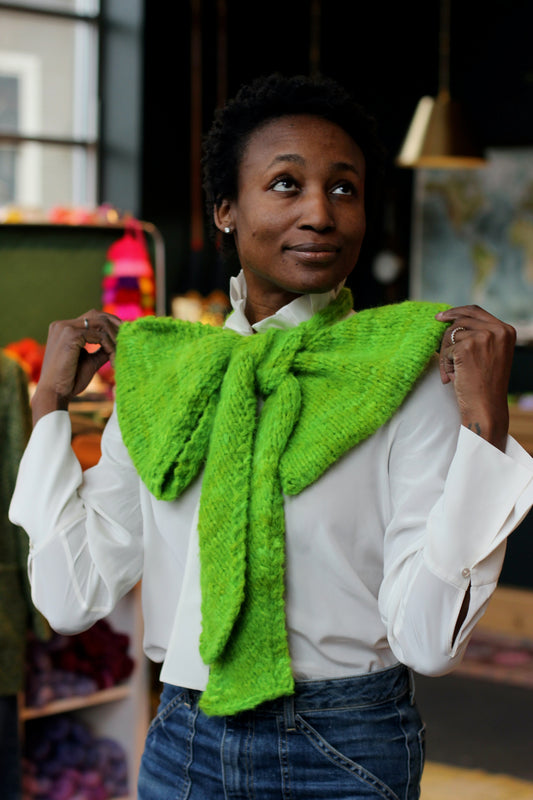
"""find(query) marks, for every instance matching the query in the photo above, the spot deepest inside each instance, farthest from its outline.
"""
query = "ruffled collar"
(299, 310)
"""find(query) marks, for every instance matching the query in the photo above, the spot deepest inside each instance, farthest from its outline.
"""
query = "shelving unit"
(56, 271)
(124, 713)
(121, 712)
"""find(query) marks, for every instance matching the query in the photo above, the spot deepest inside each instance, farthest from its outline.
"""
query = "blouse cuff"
(486, 495)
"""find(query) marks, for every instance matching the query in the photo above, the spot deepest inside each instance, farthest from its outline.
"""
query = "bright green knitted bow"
(187, 398)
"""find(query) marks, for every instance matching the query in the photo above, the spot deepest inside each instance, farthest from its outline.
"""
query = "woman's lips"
(314, 247)
(315, 252)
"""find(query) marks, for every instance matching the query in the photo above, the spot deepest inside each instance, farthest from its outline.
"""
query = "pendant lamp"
(438, 136)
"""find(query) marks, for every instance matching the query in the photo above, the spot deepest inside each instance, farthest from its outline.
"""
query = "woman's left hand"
(476, 356)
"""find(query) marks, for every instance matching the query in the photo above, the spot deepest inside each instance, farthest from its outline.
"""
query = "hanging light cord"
(444, 48)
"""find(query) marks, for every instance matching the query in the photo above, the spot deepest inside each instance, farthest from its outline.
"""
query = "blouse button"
(465, 573)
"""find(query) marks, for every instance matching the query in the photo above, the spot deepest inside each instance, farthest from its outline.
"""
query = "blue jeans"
(343, 739)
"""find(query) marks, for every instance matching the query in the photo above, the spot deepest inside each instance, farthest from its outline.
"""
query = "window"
(49, 103)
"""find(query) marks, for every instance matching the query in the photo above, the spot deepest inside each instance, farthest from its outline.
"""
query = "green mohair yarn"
(187, 399)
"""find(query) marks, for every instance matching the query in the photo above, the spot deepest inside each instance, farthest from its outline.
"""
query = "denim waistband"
(360, 690)
(337, 693)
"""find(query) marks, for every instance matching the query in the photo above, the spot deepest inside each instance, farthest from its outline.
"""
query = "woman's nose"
(316, 211)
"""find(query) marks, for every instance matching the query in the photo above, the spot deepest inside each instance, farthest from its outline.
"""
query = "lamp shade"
(439, 138)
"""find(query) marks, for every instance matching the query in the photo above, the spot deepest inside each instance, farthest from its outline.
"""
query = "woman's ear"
(223, 217)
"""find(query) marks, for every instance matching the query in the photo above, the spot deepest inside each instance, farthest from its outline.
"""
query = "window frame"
(84, 147)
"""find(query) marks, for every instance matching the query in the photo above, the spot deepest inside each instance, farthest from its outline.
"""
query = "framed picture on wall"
(472, 237)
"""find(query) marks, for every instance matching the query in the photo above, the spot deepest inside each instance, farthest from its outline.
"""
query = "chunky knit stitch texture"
(187, 399)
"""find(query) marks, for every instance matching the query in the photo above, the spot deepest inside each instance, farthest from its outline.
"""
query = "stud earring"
(227, 229)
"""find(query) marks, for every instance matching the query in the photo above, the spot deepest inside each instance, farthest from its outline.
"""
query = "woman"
(356, 490)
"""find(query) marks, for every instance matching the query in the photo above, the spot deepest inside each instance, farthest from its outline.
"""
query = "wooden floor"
(442, 782)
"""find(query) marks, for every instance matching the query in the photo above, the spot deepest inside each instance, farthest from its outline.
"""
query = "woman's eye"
(284, 185)
(344, 188)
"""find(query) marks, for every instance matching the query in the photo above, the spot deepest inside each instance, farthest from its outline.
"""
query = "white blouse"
(380, 550)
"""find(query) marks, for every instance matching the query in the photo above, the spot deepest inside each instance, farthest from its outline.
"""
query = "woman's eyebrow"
(345, 165)
(294, 158)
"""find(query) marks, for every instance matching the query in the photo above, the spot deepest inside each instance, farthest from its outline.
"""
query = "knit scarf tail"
(255, 663)
(223, 513)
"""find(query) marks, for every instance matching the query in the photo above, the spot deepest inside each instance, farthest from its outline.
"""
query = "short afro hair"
(269, 98)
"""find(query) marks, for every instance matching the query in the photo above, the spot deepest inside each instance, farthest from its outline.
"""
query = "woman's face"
(299, 216)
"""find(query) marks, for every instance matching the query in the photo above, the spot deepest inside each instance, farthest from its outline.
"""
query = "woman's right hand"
(68, 367)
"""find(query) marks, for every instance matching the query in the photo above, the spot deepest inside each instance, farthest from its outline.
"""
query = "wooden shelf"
(75, 703)
(510, 612)
(521, 427)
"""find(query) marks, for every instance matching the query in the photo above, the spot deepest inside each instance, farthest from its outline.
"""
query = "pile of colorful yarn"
(66, 666)
(30, 354)
(128, 286)
(64, 761)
